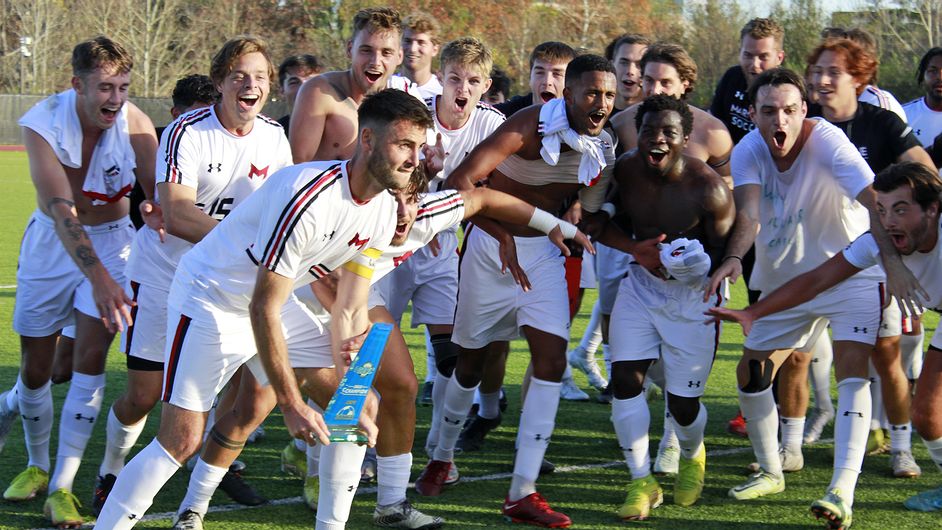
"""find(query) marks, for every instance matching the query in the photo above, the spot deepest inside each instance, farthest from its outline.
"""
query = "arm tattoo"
(56, 200)
(74, 230)
(86, 255)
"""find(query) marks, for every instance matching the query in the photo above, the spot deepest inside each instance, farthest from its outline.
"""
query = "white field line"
(363, 491)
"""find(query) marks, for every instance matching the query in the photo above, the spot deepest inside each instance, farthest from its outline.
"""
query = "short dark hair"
(777, 77)
(621, 40)
(391, 105)
(500, 82)
(307, 62)
(375, 19)
(676, 56)
(587, 63)
(192, 89)
(763, 28)
(660, 102)
(233, 49)
(100, 52)
(924, 62)
(924, 182)
(552, 52)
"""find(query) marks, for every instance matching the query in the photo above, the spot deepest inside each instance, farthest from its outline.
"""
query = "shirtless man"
(85, 147)
(329, 101)
(658, 312)
(511, 158)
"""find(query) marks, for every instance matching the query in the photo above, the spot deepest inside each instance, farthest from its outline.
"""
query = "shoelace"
(539, 502)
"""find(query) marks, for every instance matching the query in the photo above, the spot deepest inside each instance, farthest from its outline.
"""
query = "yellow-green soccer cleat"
(293, 461)
(27, 484)
(644, 495)
(311, 490)
(689, 483)
(61, 508)
(759, 485)
(832, 508)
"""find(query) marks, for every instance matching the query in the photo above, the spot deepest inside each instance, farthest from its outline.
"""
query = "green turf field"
(583, 440)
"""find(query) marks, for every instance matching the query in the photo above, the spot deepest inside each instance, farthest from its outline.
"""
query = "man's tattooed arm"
(71, 232)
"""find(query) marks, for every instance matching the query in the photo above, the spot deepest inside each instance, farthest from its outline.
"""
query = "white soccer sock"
(457, 403)
(438, 404)
(593, 333)
(36, 410)
(537, 420)
(79, 412)
(820, 373)
(118, 443)
(935, 451)
(632, 418)
(339, 478)
(876, 398)
(691, 436)
(762, 425)
(669, 438)
(490, 405)
(901, 437)
(850, 434)
(12, 402)
(392, 478)
(313, 452)
(430, 369)
(204, 479)
(792, 430)
(607, 359)
(136, 487)
(910, 348)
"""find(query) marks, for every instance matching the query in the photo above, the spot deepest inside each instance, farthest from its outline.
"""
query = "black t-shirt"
(879, 134)
(514, 104)
(730, 104)
(285, 121)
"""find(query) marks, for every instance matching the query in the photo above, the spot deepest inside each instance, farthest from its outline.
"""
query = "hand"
(350, 347)
(593, 223)
(434, 157)
(367, 422)
(434, 246)
(901, 284)
(305, 423)
(647, 253)
(740, 316)
(574, 213)
(730, 268)
(153, 217)
(113, 304)
(508, 261)
(556, 236)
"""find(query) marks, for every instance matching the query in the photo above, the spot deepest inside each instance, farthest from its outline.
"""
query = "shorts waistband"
(103, 228)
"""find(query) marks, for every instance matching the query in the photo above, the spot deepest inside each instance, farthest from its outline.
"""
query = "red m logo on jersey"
(357, 242)
(397, 261)
(256, 172)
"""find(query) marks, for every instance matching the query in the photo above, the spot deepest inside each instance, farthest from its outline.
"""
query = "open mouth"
(778, 139)
(461, 104)
(373, 76)
(656, 156)
(899, 240)
(110, 113)
(629, 83)
(597, 118)
(248, 101)
(546, 96)
(401, 229)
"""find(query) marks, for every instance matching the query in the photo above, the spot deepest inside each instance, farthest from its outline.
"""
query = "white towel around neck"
(554, 126)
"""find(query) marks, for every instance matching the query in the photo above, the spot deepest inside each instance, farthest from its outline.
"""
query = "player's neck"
(841, 112)
(931, 238)
(622, 103)
(363, 185)
(419, 77)
(933, 103)
(90, 130)
(447, 117)
(353, 90)
(232, 123)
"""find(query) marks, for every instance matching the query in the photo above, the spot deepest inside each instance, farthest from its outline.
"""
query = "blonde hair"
(468, 51)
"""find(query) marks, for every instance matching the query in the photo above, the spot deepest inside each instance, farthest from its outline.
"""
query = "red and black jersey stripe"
(172, 173)
(170, 369)
(439, 206)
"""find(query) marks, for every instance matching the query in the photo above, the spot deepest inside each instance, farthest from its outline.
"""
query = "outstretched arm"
(742, 238)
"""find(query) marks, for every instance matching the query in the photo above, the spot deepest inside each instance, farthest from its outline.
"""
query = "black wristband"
(733, 256)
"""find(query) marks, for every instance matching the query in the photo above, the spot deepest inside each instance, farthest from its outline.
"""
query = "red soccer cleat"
(533, 509)
(737, 426)
(432, 480)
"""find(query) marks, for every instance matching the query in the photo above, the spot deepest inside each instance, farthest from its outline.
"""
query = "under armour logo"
(918, 132)
(30, 419)
(112, 227)
(539, 437)
(859, 330)
(328, 237)
(215, 167)
(899, 428)
(133, 516)
(740, 95)
(350, 488)
(692, 384)
(849, 412)
(89, 419)
(450, 421)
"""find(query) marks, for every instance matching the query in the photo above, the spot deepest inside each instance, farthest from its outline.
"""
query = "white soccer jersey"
(883, 99)
(457, 143)
(926, 123)
(925, 266)
(302, 224)
(198, 152)
(433, 87)
(809, 212)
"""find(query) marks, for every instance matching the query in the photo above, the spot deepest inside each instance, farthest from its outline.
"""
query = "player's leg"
(896, 401)
(793, 399)
(928, 422)
(819, 375)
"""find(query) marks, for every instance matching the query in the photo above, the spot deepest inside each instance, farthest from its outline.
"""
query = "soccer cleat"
(580, 360)
(546, 467)
(311, 490)
(534, 510)
(239, 490)
(61, 507)
(605, 396)
(6, 420)
(667, 461)
(644, 495)
(425, 397)
(453, 475)
(791, 461)
(570, 392)
(102, 490)
(27, 484)
(759, 485)
(293, 461)
(925, 501)
(737, 426)
(256, 435)
(188, 520)
(432, 480)
(404, 515)
(815, 428)
(904, 465)
(502, 402)
(472, 436)
(689, 483)
(832, 508)
(368, 467)
(876, 442)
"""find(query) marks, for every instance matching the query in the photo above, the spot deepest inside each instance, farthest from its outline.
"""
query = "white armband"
(545, 222)
(608, 208)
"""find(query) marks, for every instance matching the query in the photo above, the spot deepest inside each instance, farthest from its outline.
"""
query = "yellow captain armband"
(364, 264)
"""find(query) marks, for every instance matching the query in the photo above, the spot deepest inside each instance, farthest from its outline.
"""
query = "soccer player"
(812, 190)
(500, 87)
(85, 147)
(329, 101)
(548, 62)
(292, 73)
(925, 113)
(626, 53)
(908, 204)
(543, 155)
(657, 312)
(421, 39)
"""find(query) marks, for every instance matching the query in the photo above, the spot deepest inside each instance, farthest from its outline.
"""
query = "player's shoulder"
(269, 125)
(138, 120)
(913, 105)
(488, 109)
